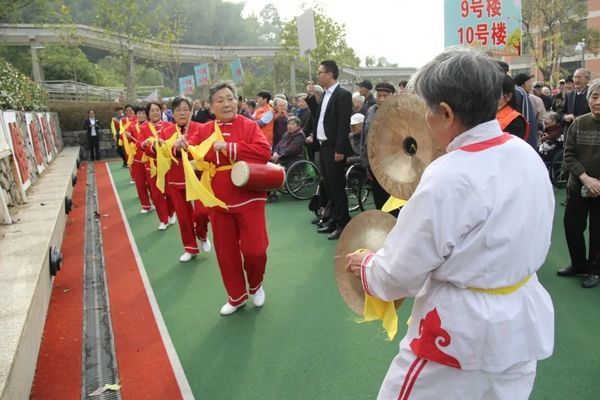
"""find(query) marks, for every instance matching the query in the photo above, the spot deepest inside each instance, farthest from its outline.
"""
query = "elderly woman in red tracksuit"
(138, 169)
(193, 220)
(239, 231)
(150, 132)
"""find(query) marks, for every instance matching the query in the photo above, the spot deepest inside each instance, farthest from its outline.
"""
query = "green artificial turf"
(304, 343)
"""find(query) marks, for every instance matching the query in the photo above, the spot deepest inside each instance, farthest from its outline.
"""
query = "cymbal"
(368, 231)
(400, 145)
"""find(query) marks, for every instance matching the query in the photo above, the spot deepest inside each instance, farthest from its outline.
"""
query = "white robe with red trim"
(480, 217)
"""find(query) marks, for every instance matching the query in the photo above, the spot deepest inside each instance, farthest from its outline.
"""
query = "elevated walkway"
(25, 278)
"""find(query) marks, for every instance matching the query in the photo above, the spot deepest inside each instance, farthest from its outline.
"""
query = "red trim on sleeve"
(363, 273)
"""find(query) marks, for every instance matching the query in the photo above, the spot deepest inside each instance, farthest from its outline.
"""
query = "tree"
(128, 22)
(331, 45)
(552, 28)
(9, 7)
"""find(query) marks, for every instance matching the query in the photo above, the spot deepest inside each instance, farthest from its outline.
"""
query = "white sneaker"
(144, 211)
(132, 182)
(185, 257)
(259, 297)
(162, 226)
(229, 309)
(173, 219)
(206, 246)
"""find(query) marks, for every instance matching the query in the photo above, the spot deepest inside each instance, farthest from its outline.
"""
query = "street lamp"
(580, 48)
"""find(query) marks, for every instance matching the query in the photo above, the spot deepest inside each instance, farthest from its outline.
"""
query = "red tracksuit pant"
(192, 224)
(241, 242)
(162, 202)
(138, 172)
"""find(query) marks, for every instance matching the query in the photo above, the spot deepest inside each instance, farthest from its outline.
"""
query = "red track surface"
(144, 368)
(58, 374)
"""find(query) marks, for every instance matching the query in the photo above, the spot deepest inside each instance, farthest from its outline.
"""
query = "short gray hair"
(469, 81)
(319, 89)
(221, 85)
(359, 97)
(585, 72)
(594, 87)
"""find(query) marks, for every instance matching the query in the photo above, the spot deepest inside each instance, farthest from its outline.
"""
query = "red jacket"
(135, 130)
(245, 142)
(146, 132)
(175, 176)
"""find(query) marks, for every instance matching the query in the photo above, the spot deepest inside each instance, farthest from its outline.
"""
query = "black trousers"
(334, 173)
(94, 143)
(577, 211)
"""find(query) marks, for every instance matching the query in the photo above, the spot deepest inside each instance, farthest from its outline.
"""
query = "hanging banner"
(237, 72)
(202, 73)
(186, 85)
(490, 25)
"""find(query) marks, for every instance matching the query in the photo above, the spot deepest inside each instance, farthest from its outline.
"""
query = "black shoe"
(591, 281)
(335, 235)
(316, 220)
(570, 271)
(326, 229)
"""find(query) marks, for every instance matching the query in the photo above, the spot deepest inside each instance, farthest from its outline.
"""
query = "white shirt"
(479, 219)
(93, 126)
(324, 101)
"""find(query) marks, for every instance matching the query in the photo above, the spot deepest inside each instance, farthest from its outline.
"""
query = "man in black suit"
(331, 126)
(576, 103)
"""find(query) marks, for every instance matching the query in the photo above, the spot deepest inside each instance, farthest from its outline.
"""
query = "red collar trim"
(486, 144)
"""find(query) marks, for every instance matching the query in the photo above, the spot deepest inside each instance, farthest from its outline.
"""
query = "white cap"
(357, 118)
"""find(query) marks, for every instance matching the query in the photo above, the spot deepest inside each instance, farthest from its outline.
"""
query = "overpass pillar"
(131, 95)
(36, 68)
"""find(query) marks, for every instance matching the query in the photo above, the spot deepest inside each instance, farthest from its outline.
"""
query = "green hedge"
(73, 114)
(18, 92)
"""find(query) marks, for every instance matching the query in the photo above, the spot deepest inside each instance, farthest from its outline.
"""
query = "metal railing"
(77, 91)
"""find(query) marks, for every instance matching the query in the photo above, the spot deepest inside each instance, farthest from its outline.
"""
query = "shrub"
(18, 92)
(72, 114)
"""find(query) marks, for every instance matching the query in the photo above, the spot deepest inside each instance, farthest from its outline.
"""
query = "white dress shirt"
(93, 126)
(324, 101)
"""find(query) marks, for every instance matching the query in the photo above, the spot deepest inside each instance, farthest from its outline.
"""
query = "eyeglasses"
(321, 72)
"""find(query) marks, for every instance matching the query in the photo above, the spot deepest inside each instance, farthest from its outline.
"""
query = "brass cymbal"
(368, 231)
(400, 145)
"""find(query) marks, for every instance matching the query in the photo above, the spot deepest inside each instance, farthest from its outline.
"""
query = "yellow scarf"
(377, 309)
(130, 148)
(201, 189)
(164, 159)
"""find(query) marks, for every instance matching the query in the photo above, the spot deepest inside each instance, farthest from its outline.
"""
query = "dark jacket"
(202, 116)
(575, 104)
(290, 147)
(87, 125)
(336, 120)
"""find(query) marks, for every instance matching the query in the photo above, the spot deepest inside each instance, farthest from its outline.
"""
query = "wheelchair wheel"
(302, 179)
(365, 194)
(558, 171)
(354, 176)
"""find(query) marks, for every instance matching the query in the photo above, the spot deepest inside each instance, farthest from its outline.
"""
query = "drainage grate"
(99, 357)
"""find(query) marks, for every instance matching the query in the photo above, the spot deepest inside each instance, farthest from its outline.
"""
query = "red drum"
(258, 177)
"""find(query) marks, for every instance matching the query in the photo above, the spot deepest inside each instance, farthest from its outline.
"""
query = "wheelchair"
(358, 186)
(301, 179)
(553, 157)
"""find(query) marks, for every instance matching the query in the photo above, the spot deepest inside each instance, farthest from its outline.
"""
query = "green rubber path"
(304, 343)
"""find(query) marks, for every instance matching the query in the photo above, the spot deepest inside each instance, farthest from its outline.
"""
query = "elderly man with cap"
(383, 91)
(364, 88)
(356, 127)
